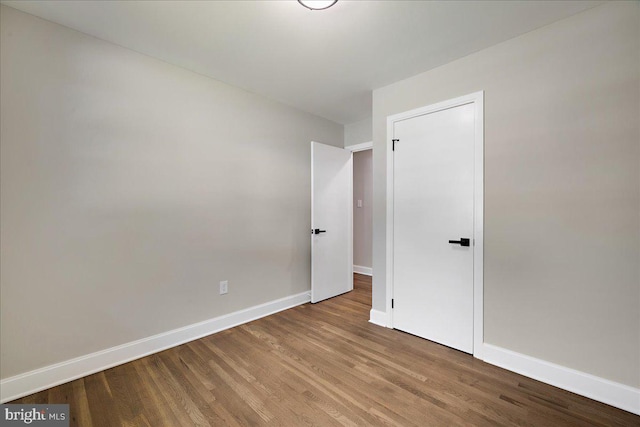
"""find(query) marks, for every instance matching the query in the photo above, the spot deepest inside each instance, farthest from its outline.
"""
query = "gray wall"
(562, 187)
(363, 217)
(130, 188)
(358, 132)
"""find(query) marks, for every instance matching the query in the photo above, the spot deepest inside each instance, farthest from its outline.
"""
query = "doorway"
(362, 211)
(362, 215)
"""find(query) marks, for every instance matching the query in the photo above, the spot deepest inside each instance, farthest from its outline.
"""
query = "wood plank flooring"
(320, 365)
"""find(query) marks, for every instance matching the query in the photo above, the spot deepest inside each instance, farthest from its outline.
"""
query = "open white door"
(331, 221)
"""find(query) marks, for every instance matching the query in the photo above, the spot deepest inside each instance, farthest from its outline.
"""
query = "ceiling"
(324, 62)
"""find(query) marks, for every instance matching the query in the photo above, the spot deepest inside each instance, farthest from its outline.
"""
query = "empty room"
(351, 212)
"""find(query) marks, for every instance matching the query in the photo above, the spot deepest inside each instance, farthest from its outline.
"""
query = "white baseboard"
(379, 318)
(60, 373)
(367, 271)
(596, 388)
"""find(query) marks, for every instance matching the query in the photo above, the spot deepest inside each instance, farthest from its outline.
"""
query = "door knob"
(462, 242)
(318, 231)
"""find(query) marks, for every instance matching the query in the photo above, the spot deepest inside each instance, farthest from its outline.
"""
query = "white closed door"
(433, 167)
(331, 221)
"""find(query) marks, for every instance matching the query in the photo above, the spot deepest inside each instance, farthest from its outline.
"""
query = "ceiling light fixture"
(317, 4)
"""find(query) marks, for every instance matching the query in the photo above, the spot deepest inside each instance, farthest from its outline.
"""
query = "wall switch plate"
(224, 287)
(359, 203)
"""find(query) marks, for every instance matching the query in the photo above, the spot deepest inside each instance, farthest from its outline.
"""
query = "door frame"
(360, 147)
(476, 98)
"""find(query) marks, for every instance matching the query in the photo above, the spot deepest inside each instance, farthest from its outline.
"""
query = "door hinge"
(391, 302)
(393, 144)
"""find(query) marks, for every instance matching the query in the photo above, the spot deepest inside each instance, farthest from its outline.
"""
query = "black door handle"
(318, 231)
(462, 242)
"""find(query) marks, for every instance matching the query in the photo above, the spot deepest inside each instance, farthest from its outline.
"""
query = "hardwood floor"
(320, 365)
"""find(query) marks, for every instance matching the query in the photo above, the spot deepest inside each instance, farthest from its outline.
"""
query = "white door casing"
(438, 285)
(332, 216)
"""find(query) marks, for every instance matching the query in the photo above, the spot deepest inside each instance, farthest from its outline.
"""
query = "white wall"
(130, 188)
(562, 187)
(358, 132)
(363, 216)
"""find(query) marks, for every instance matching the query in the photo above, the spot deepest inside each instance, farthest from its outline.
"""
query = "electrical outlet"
(224, 287)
